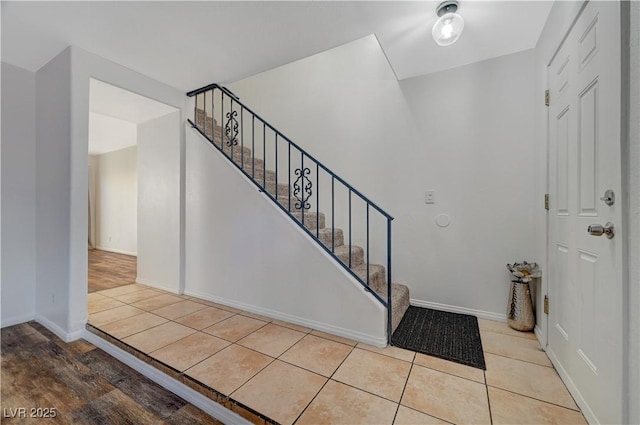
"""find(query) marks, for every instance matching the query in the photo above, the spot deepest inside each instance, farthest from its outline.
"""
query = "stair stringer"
(274, 267)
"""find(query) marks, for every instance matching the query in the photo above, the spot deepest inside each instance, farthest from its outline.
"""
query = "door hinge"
(546, 98)
(546, 304)
(546, 201)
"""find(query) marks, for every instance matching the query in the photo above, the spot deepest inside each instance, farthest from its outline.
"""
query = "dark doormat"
(450, 336)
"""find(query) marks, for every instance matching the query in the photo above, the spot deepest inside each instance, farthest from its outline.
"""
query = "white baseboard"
(575, 393)
(16, 320)
(462, 310)
(58, 331)
(117, 251)
(156, 285)
(192, 396)
(377, 341)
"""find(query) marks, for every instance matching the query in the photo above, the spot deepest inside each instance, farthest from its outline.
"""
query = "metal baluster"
(349, 227)
(367, 243)
(333, 214)
(213, 119)
(389, 303)
(264, 156)
(289, 176)
(253, 147)
(302, 181)
(195, 111)
(242, 137)
(276, 190)
(317, 200)
(204, 112)
(222, 133)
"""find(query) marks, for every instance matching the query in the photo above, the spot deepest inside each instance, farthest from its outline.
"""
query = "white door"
(585, 271)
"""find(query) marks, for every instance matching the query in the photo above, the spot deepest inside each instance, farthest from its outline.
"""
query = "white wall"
(62, 92)
(159, 202)
(465, 133)
(243, 251)
(53, 179)
(18, 195)
(117, 201)
(475, 149)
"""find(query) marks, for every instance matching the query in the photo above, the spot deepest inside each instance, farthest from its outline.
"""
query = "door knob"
(599, 230)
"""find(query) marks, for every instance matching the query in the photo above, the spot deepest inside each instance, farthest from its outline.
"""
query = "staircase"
(296, 199)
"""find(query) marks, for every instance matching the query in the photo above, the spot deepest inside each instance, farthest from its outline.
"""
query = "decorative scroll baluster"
(231, 128)
(302, 188)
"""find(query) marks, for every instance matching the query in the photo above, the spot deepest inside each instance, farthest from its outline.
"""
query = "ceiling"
(114, 115)
(190, 44)
(121, 104)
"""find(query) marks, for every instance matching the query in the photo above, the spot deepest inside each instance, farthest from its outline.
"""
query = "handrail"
(302, 193)
(237, 100)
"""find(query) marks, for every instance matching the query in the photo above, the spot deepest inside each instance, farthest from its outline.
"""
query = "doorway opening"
(114, 199)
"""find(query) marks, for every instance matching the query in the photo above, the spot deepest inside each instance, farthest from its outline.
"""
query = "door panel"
(585, 271)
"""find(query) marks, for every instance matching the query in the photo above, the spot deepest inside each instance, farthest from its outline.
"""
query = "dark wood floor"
(81, 383)
(108, 270)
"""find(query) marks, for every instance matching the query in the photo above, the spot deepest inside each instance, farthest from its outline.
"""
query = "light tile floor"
(294, 374)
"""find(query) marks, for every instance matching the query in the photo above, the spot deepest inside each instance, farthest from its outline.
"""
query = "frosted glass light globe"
(447, 29)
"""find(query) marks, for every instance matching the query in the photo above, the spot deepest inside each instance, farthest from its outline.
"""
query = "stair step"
(327, 233)
(310, 218)
(400, 302)
(357, 255)
(284, 201)
(260, 173)
(237, 151)
(377, 277)
(283, 188)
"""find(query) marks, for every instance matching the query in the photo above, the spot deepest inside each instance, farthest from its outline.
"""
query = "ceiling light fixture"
(449, 25)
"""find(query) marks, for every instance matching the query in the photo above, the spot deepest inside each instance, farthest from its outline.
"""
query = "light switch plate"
(430, 197)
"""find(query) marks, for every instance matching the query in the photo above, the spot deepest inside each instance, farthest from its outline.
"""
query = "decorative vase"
(520, 310)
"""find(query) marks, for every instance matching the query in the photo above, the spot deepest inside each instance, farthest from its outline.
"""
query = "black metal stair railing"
(240, 127)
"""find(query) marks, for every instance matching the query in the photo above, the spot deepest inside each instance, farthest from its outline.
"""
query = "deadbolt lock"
(609, 197)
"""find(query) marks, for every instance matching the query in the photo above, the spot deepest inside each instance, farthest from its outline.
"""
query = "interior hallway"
(109, 270)
(274, 372)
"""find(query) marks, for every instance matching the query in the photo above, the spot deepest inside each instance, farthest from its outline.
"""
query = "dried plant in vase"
(520, 309)
(524, 272)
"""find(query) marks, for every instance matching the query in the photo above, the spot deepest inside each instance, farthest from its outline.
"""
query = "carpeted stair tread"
(310, 219)
(328, 233)
(283, 188)
(284, 201)
(357, 254)
(249, 164)
(400, 302)
(377, 276)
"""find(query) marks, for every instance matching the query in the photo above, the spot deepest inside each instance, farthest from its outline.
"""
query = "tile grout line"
(520, 360)
(325, 384)
(486, 388)
(536, 399)
(506, 334)
(403, 390)
(452, 374)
